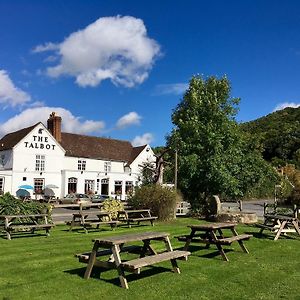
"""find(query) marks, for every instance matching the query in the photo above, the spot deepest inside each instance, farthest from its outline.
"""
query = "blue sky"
(119, 68)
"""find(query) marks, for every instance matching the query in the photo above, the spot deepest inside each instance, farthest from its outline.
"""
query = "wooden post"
(176, 167)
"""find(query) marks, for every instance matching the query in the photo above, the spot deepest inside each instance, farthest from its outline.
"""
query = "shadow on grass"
(82, 231)
(24, 234)
(96, 273)
(213, 254)
(271, 236)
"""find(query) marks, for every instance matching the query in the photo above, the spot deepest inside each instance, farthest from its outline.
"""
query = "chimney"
(54, 126)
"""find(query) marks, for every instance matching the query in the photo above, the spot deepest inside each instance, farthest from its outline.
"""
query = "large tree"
(214, 156)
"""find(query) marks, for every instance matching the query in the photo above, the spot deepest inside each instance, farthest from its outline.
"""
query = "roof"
(77, 145)
(84, 146)
(13, 138)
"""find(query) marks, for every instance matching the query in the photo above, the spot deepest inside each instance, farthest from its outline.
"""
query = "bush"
(9, 205)
(112, 206)
(160, 200)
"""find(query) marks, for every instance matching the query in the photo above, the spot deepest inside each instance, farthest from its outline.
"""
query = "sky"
(118, 68)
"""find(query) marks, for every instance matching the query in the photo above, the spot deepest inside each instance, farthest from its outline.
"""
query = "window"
(1, 185)
(118, 187)
(107, 166)
(98, 185)
(72, 185)
(2, 157)
(128, 187)
(81, 165)
(104, 186)
(38, 185)
(40, 162)
(89, 186)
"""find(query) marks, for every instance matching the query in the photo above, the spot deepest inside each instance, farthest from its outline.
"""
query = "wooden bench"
(30, 222)
(136, 216)
(88, 220)
(115, 245)
(136, 264)
(280, 219)
(232, 206)
(212, 233)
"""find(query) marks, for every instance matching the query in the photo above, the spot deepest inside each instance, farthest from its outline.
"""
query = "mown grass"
(42, 267)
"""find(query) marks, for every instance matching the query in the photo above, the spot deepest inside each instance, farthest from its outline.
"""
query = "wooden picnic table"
(133, 216)
(85, 220)
(279, 224)
(27, 222)
(212, 233)
(115, 245)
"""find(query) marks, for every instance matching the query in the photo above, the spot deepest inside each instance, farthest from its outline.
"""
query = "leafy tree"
(280, 135)
(214, 156)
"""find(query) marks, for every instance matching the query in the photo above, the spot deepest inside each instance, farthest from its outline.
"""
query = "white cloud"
(129, 119)
(46, 47)
(281, 106)
(171, 88)
(31, 116)
(115, 48)
(146, 138)
(10, 95)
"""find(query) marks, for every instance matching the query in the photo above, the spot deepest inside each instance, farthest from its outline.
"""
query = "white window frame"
(81, 164)
(2, 181)
(41, 185)
(107, 166)
(40, 162)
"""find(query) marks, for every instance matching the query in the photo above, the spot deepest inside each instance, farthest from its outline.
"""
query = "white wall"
(38, 142)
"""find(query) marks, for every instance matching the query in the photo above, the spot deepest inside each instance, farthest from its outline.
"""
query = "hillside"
(280, 135)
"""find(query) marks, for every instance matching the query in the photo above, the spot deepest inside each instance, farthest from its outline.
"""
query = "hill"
(279, 133)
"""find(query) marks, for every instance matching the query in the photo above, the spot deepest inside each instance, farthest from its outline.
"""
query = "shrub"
(9, 205)
(112, 206)
(160, 200)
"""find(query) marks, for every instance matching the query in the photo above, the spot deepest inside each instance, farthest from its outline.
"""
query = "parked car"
(75, 199)
(99, 198)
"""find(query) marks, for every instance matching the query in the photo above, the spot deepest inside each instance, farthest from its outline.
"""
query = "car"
(99, 198)
(76, 198)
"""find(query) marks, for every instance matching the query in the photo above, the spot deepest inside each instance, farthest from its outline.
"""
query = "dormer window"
(107, 166)
(81, 165)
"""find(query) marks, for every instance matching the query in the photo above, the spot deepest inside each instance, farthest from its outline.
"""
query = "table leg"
(146, 247)
(188, 240)
(173, 261)
(240, 242)
(221, 233)
(7, 229)
(91, 262)
(117, 258)
(215, 239)
(296, 225)
(280, 230)
(72, 224)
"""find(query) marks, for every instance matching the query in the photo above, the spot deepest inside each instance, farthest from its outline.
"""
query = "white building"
(39, 157)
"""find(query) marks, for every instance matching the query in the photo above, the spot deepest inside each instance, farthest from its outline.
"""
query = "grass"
(42, 267)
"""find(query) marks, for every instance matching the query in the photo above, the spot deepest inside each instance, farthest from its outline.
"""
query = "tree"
(210, 144)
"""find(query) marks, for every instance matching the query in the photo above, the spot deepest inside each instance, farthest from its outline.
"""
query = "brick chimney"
(54, 126)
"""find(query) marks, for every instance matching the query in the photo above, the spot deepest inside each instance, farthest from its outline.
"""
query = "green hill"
(279, 133)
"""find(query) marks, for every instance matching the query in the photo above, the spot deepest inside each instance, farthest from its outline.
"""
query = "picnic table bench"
(136, 216)
(209, 236)
(114, 246)
(27, 222)
(280, 220)
(88, 220)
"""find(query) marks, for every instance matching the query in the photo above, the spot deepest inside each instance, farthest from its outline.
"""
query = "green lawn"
(42, 267)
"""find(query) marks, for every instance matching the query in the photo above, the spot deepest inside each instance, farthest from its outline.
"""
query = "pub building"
(38, 158)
